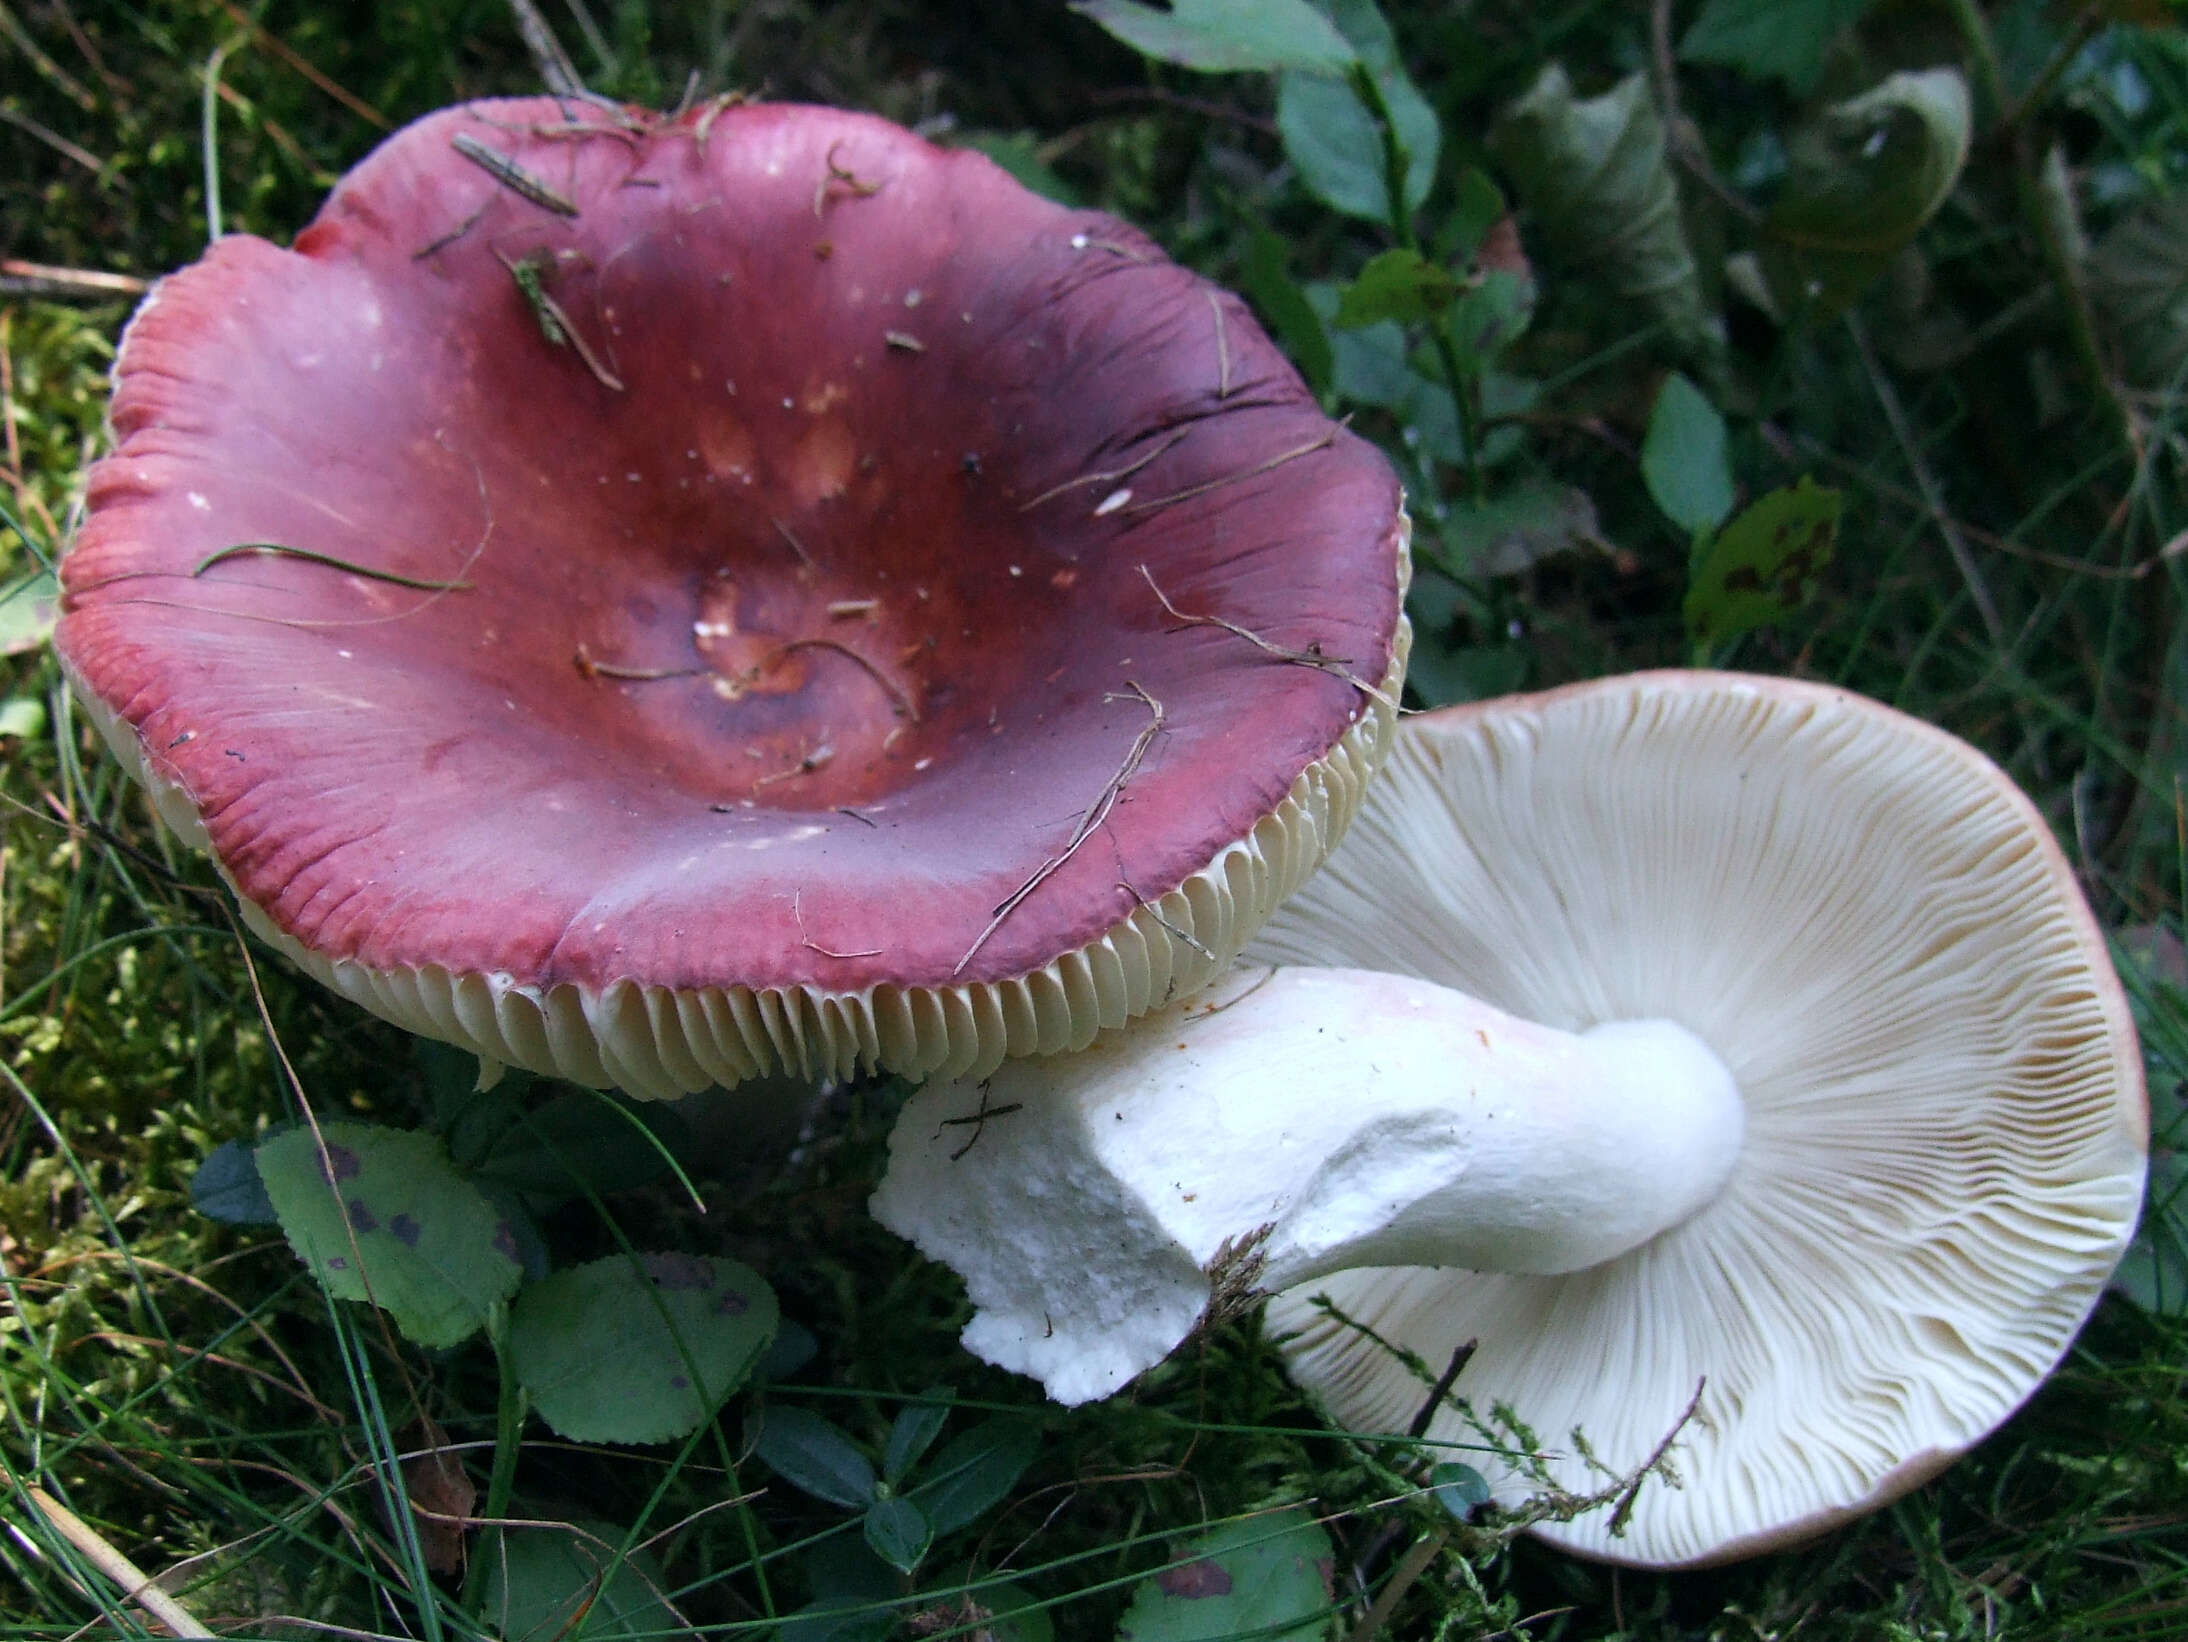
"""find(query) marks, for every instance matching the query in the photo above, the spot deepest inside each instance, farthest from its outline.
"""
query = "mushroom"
(1734, 1059)
(658, 600)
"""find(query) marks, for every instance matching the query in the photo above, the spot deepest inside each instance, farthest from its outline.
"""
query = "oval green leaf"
(1683, 458)
(639, 1350)
(914, 1431)
(1267, 1576)
(382, 1215)
(1225, 36)
(899, 1532)
(975, 1470)
(811, 1453)
(1764, 565)
(568, 1582)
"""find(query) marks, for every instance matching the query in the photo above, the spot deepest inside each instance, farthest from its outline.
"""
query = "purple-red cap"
(657, 599)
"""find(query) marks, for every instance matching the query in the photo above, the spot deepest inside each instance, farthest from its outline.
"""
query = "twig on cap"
(630, 136)
(796, 546)
(1104, 477)
(555, 323)
(1095, 815)
(1223, 347)
(420, 584)
(817, 759)
(585, 664)
(1274, 462)
(797, 911)
(1312, 656)
(903, 703)
(511, 175)
(838, 176)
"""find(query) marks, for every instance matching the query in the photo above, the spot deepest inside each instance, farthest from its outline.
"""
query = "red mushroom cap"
(742, 590)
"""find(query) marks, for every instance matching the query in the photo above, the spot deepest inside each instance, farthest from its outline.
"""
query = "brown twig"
(556, 72)
(1622, 1512)
(1105, 477)
(817, 759)
(585, 664)
(1096, 813)
(512, 176)
(978, 1121)
(837, 176)
(21, 278)
(418, 584)
(70, 87)
(288, 54)
(1312, 656)
(797, 912)
(53, 140)
(796, 546)
(904, 705)
(1223, 347)
(137, 1586)
(1254, 472)
(1185, 935)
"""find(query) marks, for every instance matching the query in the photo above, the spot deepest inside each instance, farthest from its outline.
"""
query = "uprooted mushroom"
(661, 600)
(1732, 1061)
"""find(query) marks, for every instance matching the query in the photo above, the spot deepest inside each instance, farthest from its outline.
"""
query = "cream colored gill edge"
(659, 1042)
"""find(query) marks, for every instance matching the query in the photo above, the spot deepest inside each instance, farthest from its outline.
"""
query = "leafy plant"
(902, 1518)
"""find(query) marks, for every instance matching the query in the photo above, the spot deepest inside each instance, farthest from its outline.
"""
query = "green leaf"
(1597, 174)
(1284, 307)
(384, 1216)
(1782, 39)
(1441, 673)
(914, 1431)
(1491, 314)
(1226, 36)
(1332, 135)
(1764, 565)
(814, 1454)
(975, 1470)
(899, 1532)
(1398, 285)
(1513, 528)
(1861, 179)
(28, 606)
(841, 1619)
(2154, 1271)
(227, 1188)
(566, 1582)
(1267, 1577)
(1477, 207)
(22, 718)
(1683, 458)
(1019, 153)
(585, 1139)
(1368, 366)
(2138, 283)
(645, 1351)
(1459, 1489)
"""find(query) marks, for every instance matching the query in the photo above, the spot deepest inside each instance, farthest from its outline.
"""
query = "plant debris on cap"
(657, 600)
(1945, 1122)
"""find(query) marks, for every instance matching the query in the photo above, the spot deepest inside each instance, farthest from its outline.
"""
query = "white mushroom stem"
(1283, 1126)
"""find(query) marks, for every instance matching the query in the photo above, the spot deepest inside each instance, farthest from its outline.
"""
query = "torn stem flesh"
(1312, 1121)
